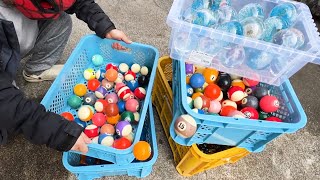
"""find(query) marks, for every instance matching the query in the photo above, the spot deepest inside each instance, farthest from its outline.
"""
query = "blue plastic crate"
(246, 133)
(136, 168)
(56, 98)
(207, 46)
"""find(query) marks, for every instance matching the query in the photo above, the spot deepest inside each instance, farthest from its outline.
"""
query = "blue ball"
(81, 123)
(189, 90)
(100, 74)
(121, 106)
(287, 12)
(258, 60)
(97, 60)
(233, 27)
(197, 80)
(133, 85)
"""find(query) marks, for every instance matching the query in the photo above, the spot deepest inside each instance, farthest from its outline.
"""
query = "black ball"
(260, 92)
(143, 80)
(250, 101)
(89, 99)
(224, 81)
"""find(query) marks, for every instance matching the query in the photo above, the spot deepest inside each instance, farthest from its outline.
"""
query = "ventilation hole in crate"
(139, 57)
(106, 52)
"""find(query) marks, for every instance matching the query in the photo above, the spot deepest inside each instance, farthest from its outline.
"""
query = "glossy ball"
(112, 98)
(239, 83)
(133, 85)
(107, 84)
(140, 93)
(189, 90)
(122, 143)
(74, 101)
(97, 60)
(99, 119)
(101, 92)
(81, 123)
(236, 93)
(89, 99)
(100, 105)
(253, 27)
(250, 101)
(127, 116)
(250, 113)
(135, 68)
(219, 99)
(123, 67)
(111, 75)
(111, 109)
(189, 68)
(129, 75)
(212, 91)
(292, 38)
(121, 106)
(93, 84)
(274, 119)
(190, 102)
(215, 107)
(89, 74)
(107, 129)
(185, 126)
(226, 110)
(144, 70)
(260, 92)
(105, 139)
(123, 128)
(251, 10)
(210, 75)
(100, 74)
(269, 104)
(229, 103)
(142, 150)
(80, 90)
(85, 113)
(68, 116)
(113, 119)
(197, 80)
(143, 80)
(91, 131)
(125, 93)
(224, 81)
(118, 86)
(136, 117)
(195, 95)
(132, 105)
(202, 102)
(258, 60)
(111, 66)
(287, 12)
(120, 78)
(250, 82)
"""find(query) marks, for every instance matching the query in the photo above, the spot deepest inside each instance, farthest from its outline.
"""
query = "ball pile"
(108, 103)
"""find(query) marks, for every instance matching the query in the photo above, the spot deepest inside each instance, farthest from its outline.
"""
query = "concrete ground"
(292, 156)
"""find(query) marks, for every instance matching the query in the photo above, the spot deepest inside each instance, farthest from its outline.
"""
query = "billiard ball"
(68, 116)
(100, 74)
(89, 99)
(185, 126)
(132, 85)
(89, 74)
(129, 75)
(123, 128)
(249, 91)
(238, 82)
(135, 68)
(111, 109)
(132, 105)
(224, 81)
(107, 129)
(260, 92)
(99, 119)
(113, 119)
(136, 117)
(121, 106)
(210, 75)
(127, 116)
(143, 80)
(124, 93)
(112, 98)
(197, 80)
(107, 84)
(144, 71)
(142, 150)
(236, 93)
(80, 90)
(101, 92)
(228, 102)
(111, 75)
(106, 139)
(250, 113)
(189, 90)
(215, 107)
(74, 101)
(189, 68)
(100, 105)
(140, 93)
(269, 104)
(93, 84)
(97, 60)
(212, 91)
(123, 67)
(91, 131)
(250, 82)
(202, 102)
(250, 101)
(188, 77)
(118, 86)
(226, 110)
(111, 66)
(219, 99)
(85, 113)
(274, 119)
(264, 115)
(121, 143)
(236, 114)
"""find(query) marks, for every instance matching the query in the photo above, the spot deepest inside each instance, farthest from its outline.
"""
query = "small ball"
(107, 84)
(68, 116)
(99, 119)
(81, 123)
(121, 106)
(236, 93)
(80, 90)
(264, 115)
(236, 114)
(144, 71)
(250, 113)
(130, 75)
(260, 92)
(224, 81)
(123, 128)
(215, 107)
(136, 117)
(130, 137)
(107, 129)
(85, 113)
(93, 84)
(91, 131)
(106, 140)
(250, 82)
(135, 68)
(143, 81)
(197, 80)
(269, 104)
(250, 101)
(210, 75)
(238, 82)
(100, 105)
(189, 90)
(140, 93)
(229, 103)
(111, 75)
(133, 85)
(100, 74)
(142, 150)
(112, 98)
(226, 110)
(212, 91)
(97, 60)
(101, 92)
(195, 95)
(120, 78)
(190, 102)
(89, 74)
(202, 102)
(111, 109)
(132, 105)
(111, 66)
(185, 126)
(125, 93)
(127, 116)
(118, 86)
(74, 101)
(89, 99)
(123, 68)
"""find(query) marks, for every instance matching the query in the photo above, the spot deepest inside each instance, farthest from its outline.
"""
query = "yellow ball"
(89, 74)
(80, 90)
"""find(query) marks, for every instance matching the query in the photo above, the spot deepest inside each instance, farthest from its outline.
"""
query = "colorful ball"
(68, 116)
(142, 150)
(202, 102)
(132, 105)
(127, 116)
(74, 101)
(210, 75)
(107, 129)
(140, 93)
(143, 80)
(124, 93)
(260, 92)
(197, 80)
(118, 86)
(111, 66)
(89, 99)
(93, 84)
(250, 101)
(236, 114)
(212, 91)
(226, 110)
(112, 98)
(229, 103)
(123, 67)
(111, 109)
(144, 71)
(123, 128)
(185, 126)
(215, 107)
(107, 84)
(133, 85)
(113, 119)
(91, 131)
(219, 99)
(99, 119)
(236, 93)
(100, 105)
(190, 102)
(250, 113)
(189, 68)
(135, 68)
(121, 143)
(129, 75)
(111, 75)
(121, 106)
(106, 140)
(269, 104)
(80, 90)
(189, 90)
(100, 74)
(250, 82)
(264, 115)
(136, 117)
(85, 113)
(239, 83)
(101, 92)
(195, 95)
(89, 74)
(97, 60)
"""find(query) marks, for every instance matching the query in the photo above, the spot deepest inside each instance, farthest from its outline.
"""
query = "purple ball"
(101, 92)
(123, 128)
(189, 69)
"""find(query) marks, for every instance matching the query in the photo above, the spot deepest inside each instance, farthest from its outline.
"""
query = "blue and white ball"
(106, 140)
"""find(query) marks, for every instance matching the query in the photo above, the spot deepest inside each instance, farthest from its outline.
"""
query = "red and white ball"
(123, 67)
(100, 104)
(229, 103)
(250, 113)
(269, 104)
(201, 102)
(119, 86)
(220, 97)
(91, 131)
(130, 75)
(99, 119)
(140, 93)
(135, 68)
(236, 93)
(111, 66)
(124, 93)
(144, 71)
(120, 78)
(236, 114)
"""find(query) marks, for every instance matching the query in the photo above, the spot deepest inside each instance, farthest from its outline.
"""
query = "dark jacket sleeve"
(30, 118)
(91, 13)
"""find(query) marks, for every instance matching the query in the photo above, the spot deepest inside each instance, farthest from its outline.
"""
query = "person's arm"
(31, 119)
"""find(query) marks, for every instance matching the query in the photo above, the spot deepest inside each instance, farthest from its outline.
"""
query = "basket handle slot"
(120, 47)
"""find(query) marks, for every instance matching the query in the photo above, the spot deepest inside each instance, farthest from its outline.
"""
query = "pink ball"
(112, 98)
(98, 119)
(132, 105)
(215, 107)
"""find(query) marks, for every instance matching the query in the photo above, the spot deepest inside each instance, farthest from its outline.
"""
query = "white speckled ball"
(123, 67)
(144, 70)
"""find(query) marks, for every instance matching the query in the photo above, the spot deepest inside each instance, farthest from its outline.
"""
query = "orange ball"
(111, 109)
(68, 116)
(210, 75)
(239, 83)
(80, 90)
(212, 91)
(142, 150)
(111, 75)
(197, 94)
(107, 129)
(226, 110)
(113, 119)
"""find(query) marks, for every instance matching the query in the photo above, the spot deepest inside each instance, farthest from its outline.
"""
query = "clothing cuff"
(69, 136)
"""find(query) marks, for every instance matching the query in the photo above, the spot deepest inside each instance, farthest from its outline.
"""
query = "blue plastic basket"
(246, 133)
(136, 168)
(56, 98)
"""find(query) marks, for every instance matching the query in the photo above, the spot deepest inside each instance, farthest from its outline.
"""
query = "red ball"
(250, 113)
(132, 105)
(99, 119)
(125, 93)
(226, 110)
(100, 105)
(212, 91)
(91, 131)
(111, 109)
(122, 143)
(236, 93)
(269, 104)
(274, 119)
(111, 66)
(251, 82)
(68, 116)
(140, 93)
(93, 84)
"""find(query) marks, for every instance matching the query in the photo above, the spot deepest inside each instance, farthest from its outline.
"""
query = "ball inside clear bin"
(226, 14)
(205, 17)
(258, 60)
(287, 12)
(232, 56)
(292, 38)
(253, 27)
(216, 4)
(271, 26)
(251, 10)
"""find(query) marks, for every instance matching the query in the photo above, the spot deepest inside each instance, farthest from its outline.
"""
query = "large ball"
(80, 90)
(142, 150)
(269, 104)
(99, 119)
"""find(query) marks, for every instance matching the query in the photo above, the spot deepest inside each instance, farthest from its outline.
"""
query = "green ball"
(127, 116)
(74, 101)
(264, 115)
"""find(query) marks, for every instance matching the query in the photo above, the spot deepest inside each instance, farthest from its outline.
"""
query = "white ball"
(144, 70)
(135, 68)
(123, 67)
